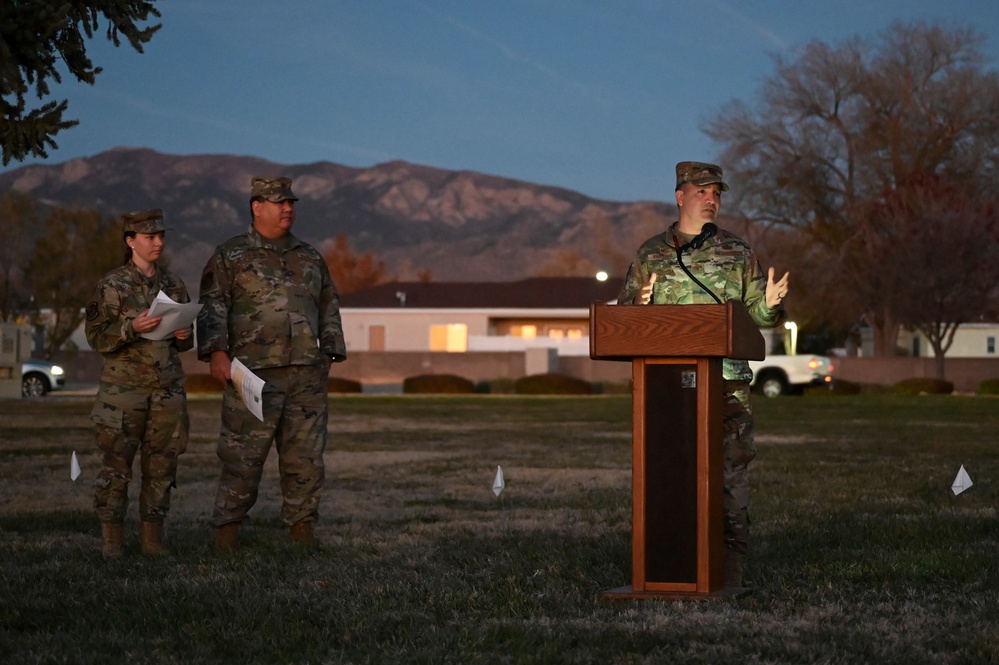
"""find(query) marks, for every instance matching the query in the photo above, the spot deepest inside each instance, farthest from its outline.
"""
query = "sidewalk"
(75, 390)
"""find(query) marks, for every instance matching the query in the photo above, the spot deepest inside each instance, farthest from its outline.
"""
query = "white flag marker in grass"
(498, 483)
(961, 482)
(74, 467)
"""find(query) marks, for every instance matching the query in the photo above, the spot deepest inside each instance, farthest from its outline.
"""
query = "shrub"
(552, 384)
(501, 386)
(202, 383)
(833, 389)
(437, 383)
(842, 387)
(336, 384)
(923, 386)
(205, 383)
(613, 388)
(988, 387)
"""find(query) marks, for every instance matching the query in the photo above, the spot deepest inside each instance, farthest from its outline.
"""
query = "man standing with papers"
(269, 302)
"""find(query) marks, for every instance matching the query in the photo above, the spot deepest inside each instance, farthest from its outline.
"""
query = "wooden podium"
(676, 353)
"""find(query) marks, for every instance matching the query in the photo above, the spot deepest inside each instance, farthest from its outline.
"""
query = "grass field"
(861, 552)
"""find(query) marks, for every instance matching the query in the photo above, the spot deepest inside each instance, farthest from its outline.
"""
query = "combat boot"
(151, 538)
(302, 533)
(112, 533)
(227, 537)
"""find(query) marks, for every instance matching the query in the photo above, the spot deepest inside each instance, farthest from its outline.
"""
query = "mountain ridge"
(455, 225)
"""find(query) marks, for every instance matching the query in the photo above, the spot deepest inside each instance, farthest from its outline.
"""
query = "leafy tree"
(352, 271)
(35, 36)
(18, 219)
(839, 129)
(76, 248)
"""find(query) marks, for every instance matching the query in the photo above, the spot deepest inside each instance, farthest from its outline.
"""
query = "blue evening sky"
(601, 97)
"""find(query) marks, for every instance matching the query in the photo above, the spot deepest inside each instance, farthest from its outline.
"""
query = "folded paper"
(961, 482)
(74, 467)
(498, 483)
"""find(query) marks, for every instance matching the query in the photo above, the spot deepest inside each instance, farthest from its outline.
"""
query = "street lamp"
(792, 327)
(602, 276)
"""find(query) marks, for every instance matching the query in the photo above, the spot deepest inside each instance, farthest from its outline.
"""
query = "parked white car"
(39, 377)
(784, 375)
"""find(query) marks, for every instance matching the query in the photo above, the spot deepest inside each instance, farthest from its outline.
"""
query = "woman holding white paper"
(141, 403)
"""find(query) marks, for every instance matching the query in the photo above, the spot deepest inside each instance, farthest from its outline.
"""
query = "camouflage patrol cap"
(699, 173)
(143, 221)
(274, 190)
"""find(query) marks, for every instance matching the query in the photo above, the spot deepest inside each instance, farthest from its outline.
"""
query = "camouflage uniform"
(272, 305)
(730, 269)
(141, 404)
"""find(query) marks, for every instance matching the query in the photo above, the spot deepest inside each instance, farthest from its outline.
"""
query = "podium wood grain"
(676, 353)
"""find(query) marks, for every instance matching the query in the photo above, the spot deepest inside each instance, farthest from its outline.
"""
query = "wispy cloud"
(511, 54)
(254, 132)
(761, 30)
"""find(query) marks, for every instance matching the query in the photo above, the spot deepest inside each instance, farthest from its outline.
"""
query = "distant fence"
(371, 367)
(964, 373)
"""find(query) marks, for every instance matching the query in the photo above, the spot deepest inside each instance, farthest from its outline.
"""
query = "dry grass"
(861, 553)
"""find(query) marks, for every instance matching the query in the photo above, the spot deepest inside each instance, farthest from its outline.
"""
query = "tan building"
(478, 330)
(971, 340)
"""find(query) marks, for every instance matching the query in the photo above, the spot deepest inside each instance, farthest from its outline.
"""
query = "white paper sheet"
(250, 388)
(961, 482)
(499, 483)
(176, 316)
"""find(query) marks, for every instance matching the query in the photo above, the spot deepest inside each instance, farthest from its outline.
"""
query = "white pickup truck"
(784, 375)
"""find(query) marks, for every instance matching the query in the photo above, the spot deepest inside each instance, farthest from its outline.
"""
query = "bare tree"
(838, 129)
(936, 247)
(18, 219)
(75, 249)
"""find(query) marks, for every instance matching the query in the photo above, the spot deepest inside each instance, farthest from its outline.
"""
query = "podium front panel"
(677, 419)
(670, 469)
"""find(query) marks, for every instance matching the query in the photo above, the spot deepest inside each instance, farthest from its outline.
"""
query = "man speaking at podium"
(696, 263)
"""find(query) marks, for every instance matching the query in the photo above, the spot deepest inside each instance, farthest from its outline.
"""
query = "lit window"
(556, 333)
(452, 337)
(575, 333)
(527, 332)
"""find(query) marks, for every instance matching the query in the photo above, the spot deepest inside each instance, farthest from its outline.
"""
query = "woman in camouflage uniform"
(141, 404)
